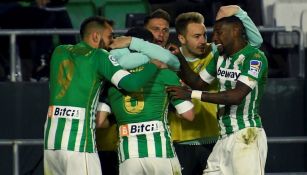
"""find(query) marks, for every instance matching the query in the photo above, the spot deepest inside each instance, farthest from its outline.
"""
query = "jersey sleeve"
(117, 53)
(180, 105)
(253, 34)
(132, 60)
(254, 68)
(129, 60)
(154, 51)
(209, 73)
(109, 68)
(112, 71)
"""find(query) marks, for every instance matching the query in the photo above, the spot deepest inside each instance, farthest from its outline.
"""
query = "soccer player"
(145, 141)
(158, 24)
(194, 140)
(241, 71)
(77, 74)
(139, 49)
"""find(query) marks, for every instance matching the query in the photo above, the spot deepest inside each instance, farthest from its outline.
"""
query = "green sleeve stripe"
(82, 141)
(73, 134)
(126, 148)
(142, 143)
(59, 133)
(169, 148)
(158, 145)
(89, 140)
(47, 132)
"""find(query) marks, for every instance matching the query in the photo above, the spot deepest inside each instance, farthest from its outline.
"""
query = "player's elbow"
(237, 100)
(133, 87)
(189, 115)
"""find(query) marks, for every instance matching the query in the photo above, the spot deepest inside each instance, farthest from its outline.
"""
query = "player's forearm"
(253, 35)
(154, 51)
(226, 97)
(135, 81)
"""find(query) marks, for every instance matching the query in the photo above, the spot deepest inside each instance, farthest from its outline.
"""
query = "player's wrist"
(196, 94)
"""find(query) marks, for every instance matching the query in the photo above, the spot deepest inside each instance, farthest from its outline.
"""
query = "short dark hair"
(94, 21)
(184, 19)
(159, 13)
(233, 20)
(140, 32)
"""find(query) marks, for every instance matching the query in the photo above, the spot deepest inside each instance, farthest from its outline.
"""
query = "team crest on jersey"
(254, 67)
(113, 60)
(228, 74)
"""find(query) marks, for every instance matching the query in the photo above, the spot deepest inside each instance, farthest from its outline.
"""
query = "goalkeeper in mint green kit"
(77, 74)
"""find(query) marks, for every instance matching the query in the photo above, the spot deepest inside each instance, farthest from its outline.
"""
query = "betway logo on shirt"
(133, 129)
(66, 112)
(228, 74)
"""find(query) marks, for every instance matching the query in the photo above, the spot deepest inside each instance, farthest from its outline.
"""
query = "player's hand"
(178, 92)
(174, 49)
(42, 3)
(226, 11)
(159, 63)
(121, 42)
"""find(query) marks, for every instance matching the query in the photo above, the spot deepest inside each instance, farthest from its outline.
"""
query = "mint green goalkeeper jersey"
(142, 117)
(250, 67)
(76, 76)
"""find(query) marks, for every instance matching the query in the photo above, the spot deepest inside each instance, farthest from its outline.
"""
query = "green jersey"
(142, 117)
(250, 67)
(77, 74)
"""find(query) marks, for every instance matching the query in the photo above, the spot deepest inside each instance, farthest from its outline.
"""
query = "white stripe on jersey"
(79, 135)
(256, 98)
(204, 75)
(132, 146)
(245, 110)
(66, 134)
(118, 76)
(222, 127)
(151, 145)
(233, 119)
(239, 60)
(121, 150)
(163, 142)
(52, 131)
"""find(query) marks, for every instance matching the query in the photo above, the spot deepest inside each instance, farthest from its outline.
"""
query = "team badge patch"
(254, 67)
(113, 60)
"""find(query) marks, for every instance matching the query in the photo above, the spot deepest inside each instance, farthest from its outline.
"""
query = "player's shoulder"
(253, 53)
(63, 49)
(102, 52)
(167, 75)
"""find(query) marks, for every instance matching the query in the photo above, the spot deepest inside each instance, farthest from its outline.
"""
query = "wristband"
(196, 94)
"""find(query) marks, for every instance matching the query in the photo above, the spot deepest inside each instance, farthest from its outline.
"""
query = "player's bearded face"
(106, 38)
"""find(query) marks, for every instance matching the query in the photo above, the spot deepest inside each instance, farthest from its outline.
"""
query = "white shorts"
(241, 153)
(60, 162)
(150, 166)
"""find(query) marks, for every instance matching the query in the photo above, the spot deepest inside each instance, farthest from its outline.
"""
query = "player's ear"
(96, 37)
(181, 39)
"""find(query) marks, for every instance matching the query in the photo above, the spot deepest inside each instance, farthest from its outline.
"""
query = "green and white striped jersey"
(77, 74)
(142, 117)
(250, 67)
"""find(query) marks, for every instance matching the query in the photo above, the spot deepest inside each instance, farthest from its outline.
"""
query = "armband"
(196, 94)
